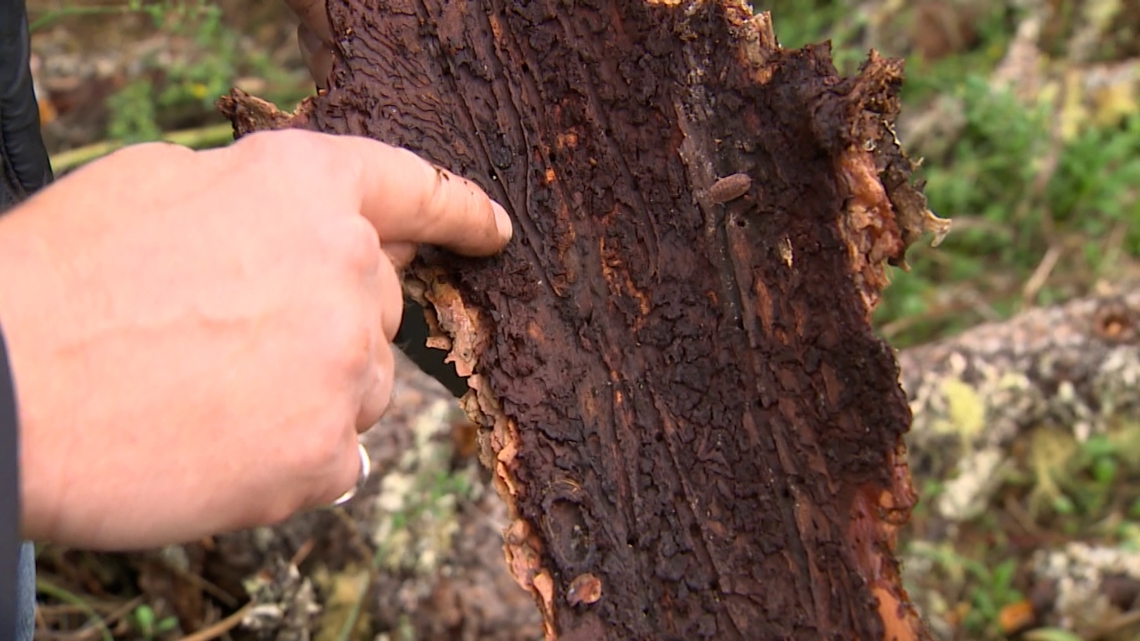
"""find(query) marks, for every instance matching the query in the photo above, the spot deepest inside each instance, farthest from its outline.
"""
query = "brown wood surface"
(695, 428)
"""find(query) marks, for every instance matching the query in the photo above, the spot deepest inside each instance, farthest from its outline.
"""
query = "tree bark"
(696, 431)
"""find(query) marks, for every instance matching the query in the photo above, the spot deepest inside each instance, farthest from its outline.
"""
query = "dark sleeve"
(24, 169)
(9, 498)
(24, 164)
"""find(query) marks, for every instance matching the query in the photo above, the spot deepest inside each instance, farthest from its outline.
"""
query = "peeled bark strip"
(696, 430)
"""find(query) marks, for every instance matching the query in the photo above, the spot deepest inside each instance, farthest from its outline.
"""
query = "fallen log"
(1074, 367)
(696, 431)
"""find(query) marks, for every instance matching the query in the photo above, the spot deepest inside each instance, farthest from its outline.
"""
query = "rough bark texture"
(696, 431)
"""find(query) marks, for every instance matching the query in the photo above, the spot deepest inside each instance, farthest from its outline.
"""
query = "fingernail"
(502, 221)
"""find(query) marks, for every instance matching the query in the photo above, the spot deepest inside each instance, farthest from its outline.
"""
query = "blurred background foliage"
(1025, 114)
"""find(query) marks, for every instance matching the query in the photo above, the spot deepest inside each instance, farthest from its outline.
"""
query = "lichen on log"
(683, 402)
(1075, 367)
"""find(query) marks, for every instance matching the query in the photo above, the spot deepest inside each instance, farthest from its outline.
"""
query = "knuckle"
(357, 244)
(317, 465)
(150, 152)
(295, 152)
(405, 155)
(260, 143)
(343, 241)
(351, 345)
(324, 453)
(336, 469)
(427, 188)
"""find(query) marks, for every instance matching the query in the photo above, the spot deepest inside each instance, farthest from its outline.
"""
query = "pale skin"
(197, 338)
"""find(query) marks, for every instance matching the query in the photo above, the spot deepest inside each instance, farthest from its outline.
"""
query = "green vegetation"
(148, 625)
(192, 85)
(174, 87)
(986, 589)
(1083, 488)
(1029, 181)
(1038, 164)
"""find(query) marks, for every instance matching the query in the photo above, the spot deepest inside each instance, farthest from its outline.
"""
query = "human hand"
(315, 37)
(197, 337)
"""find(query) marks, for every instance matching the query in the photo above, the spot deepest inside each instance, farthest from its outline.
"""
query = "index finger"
(407, 199)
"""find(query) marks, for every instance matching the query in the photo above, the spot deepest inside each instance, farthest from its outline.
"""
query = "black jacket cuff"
(9, 496)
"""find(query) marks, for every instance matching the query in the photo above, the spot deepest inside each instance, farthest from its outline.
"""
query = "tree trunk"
(696, 430)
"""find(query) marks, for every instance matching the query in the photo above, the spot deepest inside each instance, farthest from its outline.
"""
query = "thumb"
(317, 54)
(314, 15)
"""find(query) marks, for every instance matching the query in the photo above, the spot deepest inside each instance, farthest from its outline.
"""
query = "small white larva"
(730, 188)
